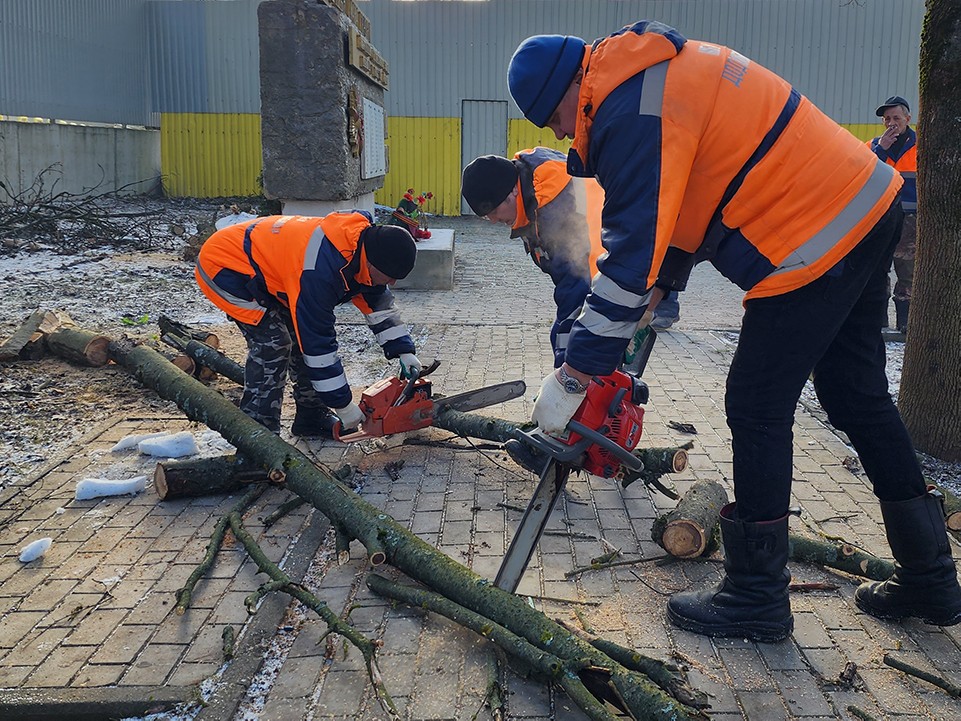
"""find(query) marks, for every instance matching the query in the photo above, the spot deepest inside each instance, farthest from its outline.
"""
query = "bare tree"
(930, 399)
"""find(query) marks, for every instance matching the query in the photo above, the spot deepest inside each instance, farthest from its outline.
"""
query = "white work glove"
(351, 416)
(409, 362)
(554, 406)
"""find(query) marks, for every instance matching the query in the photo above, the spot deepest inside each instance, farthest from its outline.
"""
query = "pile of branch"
(43, 214)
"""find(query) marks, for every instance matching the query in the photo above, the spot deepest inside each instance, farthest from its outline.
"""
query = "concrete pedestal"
(434, 267)
(320, 208)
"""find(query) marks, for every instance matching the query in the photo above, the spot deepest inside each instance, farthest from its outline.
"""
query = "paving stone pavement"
(95, 615)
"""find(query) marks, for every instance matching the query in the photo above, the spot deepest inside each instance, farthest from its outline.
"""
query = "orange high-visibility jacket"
(559, 220)
(904, 159)
(308, 265)
(705, 155)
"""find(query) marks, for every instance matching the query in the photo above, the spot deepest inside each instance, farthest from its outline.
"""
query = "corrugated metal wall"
(843, 55)
(193, 66)
(79, 60)
(846, 57)
(205, 68)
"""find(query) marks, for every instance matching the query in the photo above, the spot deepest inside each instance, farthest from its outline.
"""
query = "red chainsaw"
(599, 439)
(397, 405)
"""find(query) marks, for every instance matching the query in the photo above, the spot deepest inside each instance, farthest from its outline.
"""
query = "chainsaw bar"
(481, 397)
(529, 530)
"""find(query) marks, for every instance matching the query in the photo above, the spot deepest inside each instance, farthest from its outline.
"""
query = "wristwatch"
(570, 383)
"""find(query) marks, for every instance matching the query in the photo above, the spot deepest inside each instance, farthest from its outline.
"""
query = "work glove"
(554, 406)
(351, 416)
(409, 363)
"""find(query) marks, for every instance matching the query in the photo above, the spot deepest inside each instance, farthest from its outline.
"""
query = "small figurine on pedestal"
(410, 215)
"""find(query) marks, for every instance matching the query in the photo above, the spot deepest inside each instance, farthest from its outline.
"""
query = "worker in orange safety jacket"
(705, 155)
(279, 278)
(558, 218)
(898, 147)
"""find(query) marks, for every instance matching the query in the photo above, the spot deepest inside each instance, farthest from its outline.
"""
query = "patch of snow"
(128, 442)
(172, 445)
(233, 219)
(100, 487)
(33, 551)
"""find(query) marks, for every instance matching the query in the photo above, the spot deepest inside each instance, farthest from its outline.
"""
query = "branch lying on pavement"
(951, 689)
(385, 539)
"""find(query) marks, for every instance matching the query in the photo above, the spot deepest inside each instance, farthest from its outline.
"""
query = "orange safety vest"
(744, 170)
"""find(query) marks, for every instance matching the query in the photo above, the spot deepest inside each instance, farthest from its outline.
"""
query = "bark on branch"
(382, 534)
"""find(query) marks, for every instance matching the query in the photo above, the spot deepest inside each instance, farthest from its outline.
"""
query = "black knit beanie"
(390, 249)
(487, 182)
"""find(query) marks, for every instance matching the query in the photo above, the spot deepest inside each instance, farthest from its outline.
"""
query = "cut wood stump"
(691, 529)
(204, 477)
(185, 363)
(79, 346)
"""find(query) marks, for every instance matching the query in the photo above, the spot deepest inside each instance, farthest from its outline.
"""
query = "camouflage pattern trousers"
(272, 354)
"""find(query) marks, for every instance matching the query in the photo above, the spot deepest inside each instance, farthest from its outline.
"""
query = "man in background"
(898, 147)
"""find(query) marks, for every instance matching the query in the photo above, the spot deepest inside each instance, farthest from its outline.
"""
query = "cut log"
(204, 374)
(170, 326)
(382, 534)
(79, 346)
(690, 529)
(203, 477)
(185, 363)
(663, 460)
(13, 347)
(196, 477)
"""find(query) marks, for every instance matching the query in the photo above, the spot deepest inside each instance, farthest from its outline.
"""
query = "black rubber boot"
(313, 422)
(901, 308)
(752, 599)
(525, 456)
(925, 581)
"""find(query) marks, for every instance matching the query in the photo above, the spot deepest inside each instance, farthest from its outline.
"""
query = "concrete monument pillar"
(323, 126)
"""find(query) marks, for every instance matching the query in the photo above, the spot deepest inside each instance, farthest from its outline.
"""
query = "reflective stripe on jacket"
(309, 265)
(703, 154)
(905, 161)
(561, 228)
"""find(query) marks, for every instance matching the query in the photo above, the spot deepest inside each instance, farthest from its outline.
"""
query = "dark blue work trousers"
(830, 327)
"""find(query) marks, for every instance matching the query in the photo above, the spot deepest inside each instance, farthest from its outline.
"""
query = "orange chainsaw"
(397, 405)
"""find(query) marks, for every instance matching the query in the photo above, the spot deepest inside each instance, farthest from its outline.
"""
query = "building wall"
(205, 86)
(75, 60)
(74, 96)
(192, 67)
(78, 159)
(846, 57)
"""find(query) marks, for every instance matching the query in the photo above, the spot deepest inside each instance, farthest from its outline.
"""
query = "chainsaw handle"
(355, 434)
(408, 392)
(626, 457)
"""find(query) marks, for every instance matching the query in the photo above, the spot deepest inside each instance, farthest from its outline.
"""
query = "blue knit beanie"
(540, 72)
